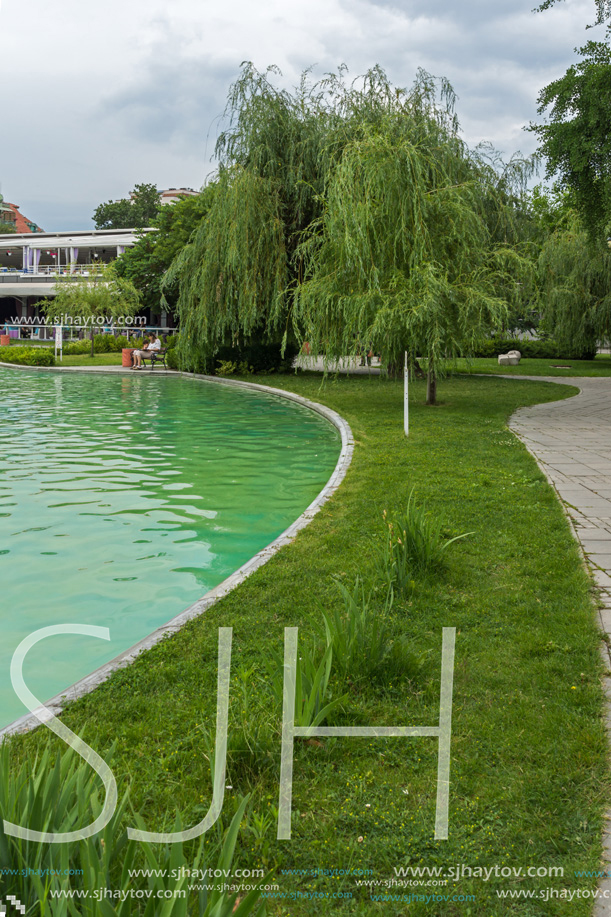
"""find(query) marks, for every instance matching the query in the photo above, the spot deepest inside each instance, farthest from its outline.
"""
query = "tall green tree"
(348, 212)
(134, 212)
(575, 288)
(101, 295)
(576, 141)
(146, 263)
(404, 258)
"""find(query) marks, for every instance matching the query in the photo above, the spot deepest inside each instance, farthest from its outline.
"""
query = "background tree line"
(352, 215)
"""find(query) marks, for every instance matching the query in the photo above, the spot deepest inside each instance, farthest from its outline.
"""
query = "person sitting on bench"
(153, 343)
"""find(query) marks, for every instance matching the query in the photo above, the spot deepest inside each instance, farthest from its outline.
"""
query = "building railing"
(74, 333)
(20, 277)
(51, 270)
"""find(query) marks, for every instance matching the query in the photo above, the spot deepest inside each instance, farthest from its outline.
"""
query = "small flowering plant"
(413, 545)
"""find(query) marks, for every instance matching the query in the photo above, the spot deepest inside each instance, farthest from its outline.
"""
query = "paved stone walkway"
(571, 441)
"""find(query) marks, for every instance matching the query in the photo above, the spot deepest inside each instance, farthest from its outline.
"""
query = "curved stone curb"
(112, 370)
(89, 682)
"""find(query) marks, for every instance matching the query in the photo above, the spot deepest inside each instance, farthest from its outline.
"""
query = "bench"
(155, 356)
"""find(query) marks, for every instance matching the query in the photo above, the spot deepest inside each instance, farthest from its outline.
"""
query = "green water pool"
(124, 499)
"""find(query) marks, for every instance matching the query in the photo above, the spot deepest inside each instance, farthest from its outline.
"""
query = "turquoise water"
(124, 499)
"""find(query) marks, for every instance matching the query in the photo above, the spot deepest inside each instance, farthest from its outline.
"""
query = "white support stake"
(59, 341)
(405, 398)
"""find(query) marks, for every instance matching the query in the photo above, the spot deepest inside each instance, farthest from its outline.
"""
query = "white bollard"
(405, 398)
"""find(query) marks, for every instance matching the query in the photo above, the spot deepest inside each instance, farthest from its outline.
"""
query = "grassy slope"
(528, 779)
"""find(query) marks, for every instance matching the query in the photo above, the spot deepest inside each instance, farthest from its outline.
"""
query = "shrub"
(77, 348)
(542, 348)
(226, 368)
(255, 357)
(414, 544)
(28, 356)
(358, 636)
(314, 701)
(105, 343)
(62, 794)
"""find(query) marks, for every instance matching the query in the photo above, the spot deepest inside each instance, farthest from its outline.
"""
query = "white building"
(30, 262)
(176, 194)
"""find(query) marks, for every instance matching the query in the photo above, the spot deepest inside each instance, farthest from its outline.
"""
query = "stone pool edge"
(85, 685)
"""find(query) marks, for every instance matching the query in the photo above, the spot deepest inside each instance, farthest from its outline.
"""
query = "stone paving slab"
(571, 441)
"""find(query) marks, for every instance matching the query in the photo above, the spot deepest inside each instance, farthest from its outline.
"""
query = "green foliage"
(405, 257)
(62, 795)
(233, 275)
(576, 141)
(104, 343)
(260, 357)
(172, 359)
(347, 212)
(134, 212)
(146, 262)
(550, 209)
(100, 294)
(540, 348)
(414, 545)
(28, 356)
(314, 701)
(576, 290)
(358, 635)
(603, 10)
(229, 368)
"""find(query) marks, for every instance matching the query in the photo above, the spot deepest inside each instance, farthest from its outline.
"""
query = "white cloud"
(100, 96)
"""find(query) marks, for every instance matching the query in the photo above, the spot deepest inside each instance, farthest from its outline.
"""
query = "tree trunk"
(395, 368)
(431, 386)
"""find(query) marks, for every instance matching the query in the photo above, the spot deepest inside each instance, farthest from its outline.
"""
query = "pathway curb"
(567, 440)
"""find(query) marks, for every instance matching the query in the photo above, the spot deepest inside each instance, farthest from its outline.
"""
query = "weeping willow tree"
(347, 213)
(404, 257)
(237, 274)
(232, 276)
(575, 281)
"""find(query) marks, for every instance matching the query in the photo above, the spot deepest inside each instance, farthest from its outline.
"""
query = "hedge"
(28, 356)
(545, 349)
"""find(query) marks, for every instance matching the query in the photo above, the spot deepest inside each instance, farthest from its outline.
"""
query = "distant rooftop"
(171, 195)
(11, 216)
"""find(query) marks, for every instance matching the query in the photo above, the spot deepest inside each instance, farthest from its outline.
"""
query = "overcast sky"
(99, 96)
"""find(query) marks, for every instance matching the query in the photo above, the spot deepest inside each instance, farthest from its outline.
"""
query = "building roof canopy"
(99, 238)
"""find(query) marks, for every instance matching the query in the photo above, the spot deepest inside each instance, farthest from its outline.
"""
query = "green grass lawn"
(601, 366)
(100, 359)
(30, 342)
(529, 779)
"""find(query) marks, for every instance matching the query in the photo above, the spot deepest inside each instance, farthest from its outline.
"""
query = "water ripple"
(124, 499)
